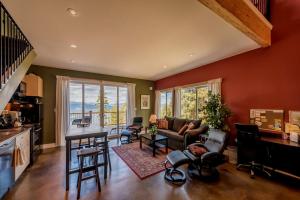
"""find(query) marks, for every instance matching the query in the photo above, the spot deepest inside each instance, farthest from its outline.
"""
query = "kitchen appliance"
(35, 143)
(6, 167)
(6, 120)
(32, 116)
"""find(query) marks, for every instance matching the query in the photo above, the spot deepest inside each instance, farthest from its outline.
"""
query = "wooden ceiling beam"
(244, 16)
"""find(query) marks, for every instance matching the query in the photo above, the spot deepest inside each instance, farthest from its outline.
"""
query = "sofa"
(180, 142)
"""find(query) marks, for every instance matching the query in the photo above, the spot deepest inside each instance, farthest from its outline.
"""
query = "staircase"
(16, 56)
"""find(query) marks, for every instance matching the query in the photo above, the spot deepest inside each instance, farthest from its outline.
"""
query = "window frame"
(166, 92)
(195, 87)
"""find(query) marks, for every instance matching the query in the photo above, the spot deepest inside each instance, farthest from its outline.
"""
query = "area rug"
(141, 161)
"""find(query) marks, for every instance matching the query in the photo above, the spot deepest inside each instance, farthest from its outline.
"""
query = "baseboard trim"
(48, 146)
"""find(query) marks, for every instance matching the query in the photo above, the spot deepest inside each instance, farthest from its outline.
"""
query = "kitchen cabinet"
(23, 143)
(34, 85)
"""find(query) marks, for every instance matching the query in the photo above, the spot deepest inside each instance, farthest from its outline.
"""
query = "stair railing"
(263, 6)
(14, 46)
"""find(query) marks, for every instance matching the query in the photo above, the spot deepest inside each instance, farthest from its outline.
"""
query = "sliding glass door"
(92, 103)
(115, 107)
(98, 104)
(84, 104)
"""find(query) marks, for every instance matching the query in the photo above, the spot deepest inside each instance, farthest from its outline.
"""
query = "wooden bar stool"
(91, 153)
(103, 147)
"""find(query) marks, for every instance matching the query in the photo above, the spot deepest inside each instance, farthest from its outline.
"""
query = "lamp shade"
(153, 119)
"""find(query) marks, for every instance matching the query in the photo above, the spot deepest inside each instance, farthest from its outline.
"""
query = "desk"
(283, 156)
(83, 133)
(280, 141)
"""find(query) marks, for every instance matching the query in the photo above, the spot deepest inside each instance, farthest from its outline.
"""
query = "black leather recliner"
(203, 166)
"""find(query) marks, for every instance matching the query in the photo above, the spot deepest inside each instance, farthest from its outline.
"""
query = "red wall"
(266, 78)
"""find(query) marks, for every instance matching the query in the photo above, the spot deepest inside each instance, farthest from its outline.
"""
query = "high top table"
(77, 133)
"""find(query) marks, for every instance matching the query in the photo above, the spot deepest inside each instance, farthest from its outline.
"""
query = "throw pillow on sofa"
(195, 132)
(196, 122)
(183, 129)
(191, 126)
(162, 124)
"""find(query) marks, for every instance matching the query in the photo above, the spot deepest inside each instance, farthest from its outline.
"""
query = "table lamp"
(152, 119)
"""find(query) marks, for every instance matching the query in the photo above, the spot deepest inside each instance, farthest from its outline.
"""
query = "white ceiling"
(131, 38)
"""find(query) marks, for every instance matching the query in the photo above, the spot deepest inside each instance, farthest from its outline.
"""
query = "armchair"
(204, 165)
(136, 126)
(201, 163)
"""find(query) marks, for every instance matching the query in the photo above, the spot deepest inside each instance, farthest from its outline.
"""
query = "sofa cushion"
(170, 122)
(170, 134)
(178, 124)
(162, 123)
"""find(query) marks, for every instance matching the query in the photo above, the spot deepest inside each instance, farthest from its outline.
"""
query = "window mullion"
(82, 86)
(118, 111)
(196, 103)
(166, 103)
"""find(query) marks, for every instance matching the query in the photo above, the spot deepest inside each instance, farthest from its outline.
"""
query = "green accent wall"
(48, 74)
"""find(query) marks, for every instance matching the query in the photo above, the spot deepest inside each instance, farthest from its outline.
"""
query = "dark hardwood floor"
(46, 180)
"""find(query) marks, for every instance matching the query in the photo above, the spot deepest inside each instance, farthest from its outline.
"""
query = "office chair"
(249, 150)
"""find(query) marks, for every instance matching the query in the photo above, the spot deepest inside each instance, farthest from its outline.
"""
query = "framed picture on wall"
(145, 102)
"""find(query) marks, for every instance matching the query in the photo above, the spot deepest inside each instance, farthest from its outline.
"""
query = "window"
(84, 103)
(98, 104)
(191, 99)
(166, 104)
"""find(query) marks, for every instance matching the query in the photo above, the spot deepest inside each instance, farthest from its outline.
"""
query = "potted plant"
(153, 131)
(215, 113)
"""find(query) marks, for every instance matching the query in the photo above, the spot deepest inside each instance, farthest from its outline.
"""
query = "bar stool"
(103, 147)
(91, 153)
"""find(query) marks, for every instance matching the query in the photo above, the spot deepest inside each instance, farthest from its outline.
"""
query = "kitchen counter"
(6, 134)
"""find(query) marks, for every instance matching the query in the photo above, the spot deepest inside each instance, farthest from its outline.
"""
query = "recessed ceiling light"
(72, 12)
(191, 54)
(72, 61)
(74, 46)
(165, 66)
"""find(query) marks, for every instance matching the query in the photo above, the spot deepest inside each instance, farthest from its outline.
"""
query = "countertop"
(7, 134)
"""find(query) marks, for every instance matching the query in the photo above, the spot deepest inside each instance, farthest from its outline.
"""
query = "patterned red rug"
(141, 161)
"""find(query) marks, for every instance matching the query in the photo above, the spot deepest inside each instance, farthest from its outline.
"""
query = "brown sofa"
(176, 141)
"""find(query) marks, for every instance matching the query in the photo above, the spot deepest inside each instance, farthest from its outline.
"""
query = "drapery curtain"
(215, 86)
(61, 109)
(157, 103)
(131, 103)
(177, 102)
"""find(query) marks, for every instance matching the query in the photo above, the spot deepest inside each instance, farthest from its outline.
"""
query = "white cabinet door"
(23, 142)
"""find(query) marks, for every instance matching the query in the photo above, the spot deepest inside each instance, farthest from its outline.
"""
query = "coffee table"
(156, 141)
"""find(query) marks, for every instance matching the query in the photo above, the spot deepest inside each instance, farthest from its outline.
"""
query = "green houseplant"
(153, 130)
(215, 113)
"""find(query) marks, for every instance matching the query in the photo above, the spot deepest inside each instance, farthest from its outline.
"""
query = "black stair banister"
(263, 6)
(14, 46)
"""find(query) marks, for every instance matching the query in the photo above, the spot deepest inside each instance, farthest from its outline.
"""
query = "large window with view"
(84, 103)
(191, 100)
(166, 104)
(98, 104)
